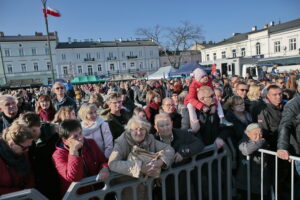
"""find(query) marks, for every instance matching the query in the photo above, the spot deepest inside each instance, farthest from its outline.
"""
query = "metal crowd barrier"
(263, 151)
(24, 195)
(204, 172)
(195, 165)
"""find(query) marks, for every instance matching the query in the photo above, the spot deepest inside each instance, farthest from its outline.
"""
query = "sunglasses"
(59, 88)
(243, 90)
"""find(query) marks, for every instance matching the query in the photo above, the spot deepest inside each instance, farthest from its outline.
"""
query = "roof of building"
(271, 29)
(94, 44)
(20, 38)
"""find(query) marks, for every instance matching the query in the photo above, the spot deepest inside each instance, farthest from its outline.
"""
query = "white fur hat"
(199, 73)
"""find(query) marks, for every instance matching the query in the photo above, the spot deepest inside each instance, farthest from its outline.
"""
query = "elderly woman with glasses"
(16, 173)
(137, 134)
(61, 99)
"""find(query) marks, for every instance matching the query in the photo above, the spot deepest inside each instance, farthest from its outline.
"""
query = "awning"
(24, 83)
(86, 79)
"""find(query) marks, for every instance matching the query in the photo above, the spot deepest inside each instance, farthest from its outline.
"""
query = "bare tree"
(153, 33)
(176, 40)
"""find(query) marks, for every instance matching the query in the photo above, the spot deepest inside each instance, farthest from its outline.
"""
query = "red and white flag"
(51, 11)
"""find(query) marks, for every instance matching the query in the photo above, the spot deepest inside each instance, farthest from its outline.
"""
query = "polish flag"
(51, 11)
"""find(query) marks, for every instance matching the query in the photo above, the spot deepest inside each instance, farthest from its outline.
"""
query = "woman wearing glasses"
(137, 134)
(15, 169)
(61, 99)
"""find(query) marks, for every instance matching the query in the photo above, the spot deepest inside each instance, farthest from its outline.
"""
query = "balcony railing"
(131, 57)
(89, 59)
(111, 58)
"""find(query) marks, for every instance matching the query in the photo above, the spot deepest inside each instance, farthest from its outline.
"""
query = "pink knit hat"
(199, 73)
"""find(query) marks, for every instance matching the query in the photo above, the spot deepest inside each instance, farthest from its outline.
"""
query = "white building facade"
(273, 41)
(26, 59)
(115, 59)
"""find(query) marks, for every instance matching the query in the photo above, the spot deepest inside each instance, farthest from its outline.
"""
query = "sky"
(113, 19)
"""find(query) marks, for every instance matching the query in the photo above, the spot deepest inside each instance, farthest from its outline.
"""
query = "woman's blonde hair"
(85, 109)
(137, 120)
(150, 96)
(62, 114)
(254, 92)
(17, 132)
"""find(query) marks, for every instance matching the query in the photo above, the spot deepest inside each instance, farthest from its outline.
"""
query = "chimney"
(69, 40)
(254, 28)
(1, 34)
(266, 26)
(272, 23)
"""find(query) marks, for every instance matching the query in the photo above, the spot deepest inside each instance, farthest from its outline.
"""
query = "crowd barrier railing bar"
(24, 195)
(194, 164)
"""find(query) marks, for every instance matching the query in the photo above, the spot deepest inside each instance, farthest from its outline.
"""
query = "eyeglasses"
(116, 102)
(169, 105)
(210, 97)
(240, 104)
(138, 129)
(59, 88)
(22, 147)
(244, 90)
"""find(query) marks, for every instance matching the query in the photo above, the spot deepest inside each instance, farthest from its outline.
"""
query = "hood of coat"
(87, 130)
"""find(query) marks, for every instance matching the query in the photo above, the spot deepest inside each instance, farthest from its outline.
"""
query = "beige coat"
(118, 159)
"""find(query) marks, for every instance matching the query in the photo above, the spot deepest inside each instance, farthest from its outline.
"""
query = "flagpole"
(48, 39)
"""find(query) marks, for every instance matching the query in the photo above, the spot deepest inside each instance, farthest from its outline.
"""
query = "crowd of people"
(51, 137)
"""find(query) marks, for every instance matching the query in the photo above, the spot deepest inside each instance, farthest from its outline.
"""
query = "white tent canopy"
(162, 72)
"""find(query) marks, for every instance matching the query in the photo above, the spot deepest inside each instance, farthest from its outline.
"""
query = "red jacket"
(74, 168)
(192, 95)
(10, 181)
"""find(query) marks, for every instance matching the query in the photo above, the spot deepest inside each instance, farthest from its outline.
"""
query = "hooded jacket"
(67, 101)
(99, 131)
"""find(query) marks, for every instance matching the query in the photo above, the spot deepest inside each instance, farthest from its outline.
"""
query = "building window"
(140, 53)
(63, 56)
(151, 53)
(277, 46)
(78, 56)
(223, 54)
(234, 53)
(131, 53)
(33, 51)
(243, 52)
(215, 56)
(112, 67)
(88, 56)
(35, 67)
(7, 52)
(49, 80)
(123, 54)
(23, 67)
(90, 70)
(98, 55)
(258, 48)
(124, 66)
(9, 69)
(65, 70)
(207, 57)
(151, 65)
(132, 64)
(141, 65)
(293, 45)
(21, 52)
(48, 66)
(47, 51)
(110, 54)
(79, 69)
(99, 68)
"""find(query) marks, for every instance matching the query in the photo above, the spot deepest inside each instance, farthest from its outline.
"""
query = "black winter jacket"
(286, 126)
(269, 119)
